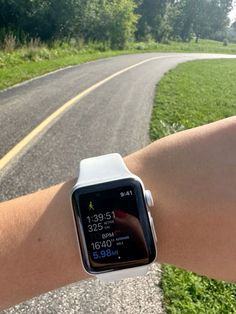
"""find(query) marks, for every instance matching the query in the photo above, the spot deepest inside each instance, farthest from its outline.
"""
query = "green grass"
(209, 46)
(194, 94)
(25, 63)
(187, 293)
(18, 70)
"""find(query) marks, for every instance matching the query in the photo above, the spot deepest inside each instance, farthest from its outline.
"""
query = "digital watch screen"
(113, 226)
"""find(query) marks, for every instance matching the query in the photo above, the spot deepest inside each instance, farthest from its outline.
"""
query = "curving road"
(114, 117)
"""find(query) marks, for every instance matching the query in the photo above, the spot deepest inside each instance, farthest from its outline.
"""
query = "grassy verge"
(209, 46)
(19, 70)
(194, 94)
(25, 63)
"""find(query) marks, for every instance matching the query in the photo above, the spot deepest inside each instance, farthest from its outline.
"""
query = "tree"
(181, 14)
(14, 15)
(151, 22)
(201, 18)
(113, 21)
(46, 19)
(52, 19)
(232, 32)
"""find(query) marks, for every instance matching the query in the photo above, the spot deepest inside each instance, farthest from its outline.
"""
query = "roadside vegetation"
(117, 22)
(40, 36)
(36, 58)
(193, 94)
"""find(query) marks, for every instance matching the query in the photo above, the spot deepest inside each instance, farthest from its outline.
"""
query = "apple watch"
(111, 213)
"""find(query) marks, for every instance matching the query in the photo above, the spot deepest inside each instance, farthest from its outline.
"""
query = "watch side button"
(152, 227)
(148, 198)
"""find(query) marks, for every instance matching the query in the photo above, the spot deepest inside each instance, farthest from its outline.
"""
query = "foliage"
(110, 21)
(97, 20)
(151, 22)
(113, 21)
(232, 33)
(201, 18)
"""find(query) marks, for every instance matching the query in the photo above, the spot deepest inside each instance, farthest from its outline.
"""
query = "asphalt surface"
(113, 118)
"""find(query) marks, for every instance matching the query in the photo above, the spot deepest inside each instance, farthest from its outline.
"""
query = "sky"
(232, 14)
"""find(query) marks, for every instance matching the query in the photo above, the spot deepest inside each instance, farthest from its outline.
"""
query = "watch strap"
(123, 274)
(101, 169)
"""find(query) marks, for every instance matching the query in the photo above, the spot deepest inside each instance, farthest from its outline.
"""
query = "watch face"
(113, 226)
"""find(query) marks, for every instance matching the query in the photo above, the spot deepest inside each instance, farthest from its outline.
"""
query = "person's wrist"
(149, 164)
(75, 270)
(138, 164)
(59, 242)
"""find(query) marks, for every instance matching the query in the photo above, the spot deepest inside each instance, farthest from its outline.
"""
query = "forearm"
(193, 177)
(38, 245)
(194, 216)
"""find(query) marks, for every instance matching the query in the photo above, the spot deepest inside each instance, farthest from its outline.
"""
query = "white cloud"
(232, 14)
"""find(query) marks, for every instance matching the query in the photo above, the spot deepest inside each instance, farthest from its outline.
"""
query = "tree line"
(114, 21)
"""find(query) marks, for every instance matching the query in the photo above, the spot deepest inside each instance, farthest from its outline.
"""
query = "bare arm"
(193, 177)
(38, 248)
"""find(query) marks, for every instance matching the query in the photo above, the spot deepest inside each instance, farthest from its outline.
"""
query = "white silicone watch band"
(101, 169)
(104, 169)
(123, 274)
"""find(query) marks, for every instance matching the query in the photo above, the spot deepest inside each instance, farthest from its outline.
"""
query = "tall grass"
(9, 43)
(35, 51)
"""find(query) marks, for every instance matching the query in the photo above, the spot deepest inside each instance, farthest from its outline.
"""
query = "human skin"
(192, 176)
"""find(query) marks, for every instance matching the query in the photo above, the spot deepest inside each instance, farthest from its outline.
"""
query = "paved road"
(113, 118)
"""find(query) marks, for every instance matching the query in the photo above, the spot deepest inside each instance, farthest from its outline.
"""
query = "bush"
(36, 54)
(225, 42)
(145, 45)
(44, 54)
